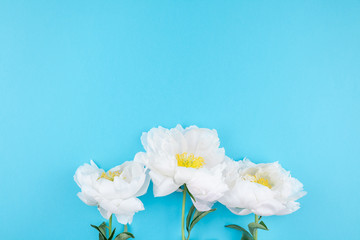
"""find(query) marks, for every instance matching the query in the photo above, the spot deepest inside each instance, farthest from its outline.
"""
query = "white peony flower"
(114, 192)
(188, 156)
(263, 189)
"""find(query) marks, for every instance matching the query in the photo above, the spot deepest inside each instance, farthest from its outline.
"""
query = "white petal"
(127, 206)
(202, 205)
(207, 185)
(124, 219)
(162, 185)
(87, 199)
(268, 208)
(87, 174)
(240, 211)
(205, 143)
(104, 213)
(184, 175)
(140, 157)
(144, 187)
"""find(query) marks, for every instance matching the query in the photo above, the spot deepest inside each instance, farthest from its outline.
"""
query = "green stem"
(255, 231)
(125, 227)
(188, 236)
(183, 216)
(110, 225)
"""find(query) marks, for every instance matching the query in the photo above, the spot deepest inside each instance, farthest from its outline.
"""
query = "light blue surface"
(82, 80)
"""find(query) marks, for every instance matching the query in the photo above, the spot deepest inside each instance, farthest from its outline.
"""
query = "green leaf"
(124, 236)
(262, 223)
(245, 234)
(198, 216)
(247, 237)
(187, 190)
(188, 218)
(103, 228)
(252, 226)
(101, 233)
(112, 234)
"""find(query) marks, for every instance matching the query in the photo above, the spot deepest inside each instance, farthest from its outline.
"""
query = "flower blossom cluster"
(193, 157)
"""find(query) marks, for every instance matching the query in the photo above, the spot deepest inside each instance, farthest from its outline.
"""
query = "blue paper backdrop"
(82, 80)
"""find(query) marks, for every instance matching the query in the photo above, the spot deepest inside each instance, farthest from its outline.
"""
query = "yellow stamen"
(190, 161)
(110, 175)
(262, 181)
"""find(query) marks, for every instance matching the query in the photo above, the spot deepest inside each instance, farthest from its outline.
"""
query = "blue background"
(82, 80)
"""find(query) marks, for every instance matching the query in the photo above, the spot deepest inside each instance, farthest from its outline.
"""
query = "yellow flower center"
(110, 175)
(190, 161)
(262, 181)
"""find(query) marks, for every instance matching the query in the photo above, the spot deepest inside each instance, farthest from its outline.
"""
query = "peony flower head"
(190, 156)
(115, 191)
(264, 189)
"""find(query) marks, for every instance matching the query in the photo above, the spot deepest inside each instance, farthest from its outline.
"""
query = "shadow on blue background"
(82, 80)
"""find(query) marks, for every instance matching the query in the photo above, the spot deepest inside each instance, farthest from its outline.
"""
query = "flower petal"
(162, 185)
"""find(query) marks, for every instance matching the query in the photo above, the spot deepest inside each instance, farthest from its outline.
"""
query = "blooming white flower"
(115, 191)
(188, 156)
(263, 189)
